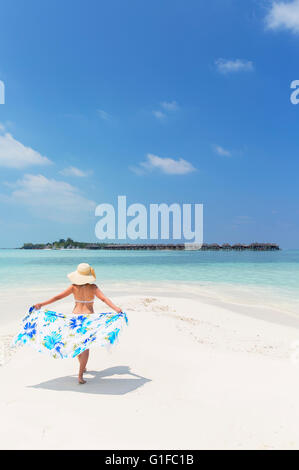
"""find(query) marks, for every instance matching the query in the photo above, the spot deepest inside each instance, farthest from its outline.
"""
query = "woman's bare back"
(84, 298)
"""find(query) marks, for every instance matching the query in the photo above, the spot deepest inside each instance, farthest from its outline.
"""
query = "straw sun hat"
(83, 275)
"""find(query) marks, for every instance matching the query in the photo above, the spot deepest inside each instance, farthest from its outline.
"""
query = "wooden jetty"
(186, 246)
(70, 244)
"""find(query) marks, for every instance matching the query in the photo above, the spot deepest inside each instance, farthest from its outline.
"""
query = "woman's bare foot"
(81, 380)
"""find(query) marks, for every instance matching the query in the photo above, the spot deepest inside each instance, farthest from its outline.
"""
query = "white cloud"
(233, 65)
(14, 154)
(73, 171)
(103, 115)
(50, 199)
(170, 105)
(168, 166)
(137, 170)
(159, 115)
(167, 107)
(222, 151)
(284, 15)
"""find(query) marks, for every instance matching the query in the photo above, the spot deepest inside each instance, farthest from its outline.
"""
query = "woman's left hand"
(37, 306)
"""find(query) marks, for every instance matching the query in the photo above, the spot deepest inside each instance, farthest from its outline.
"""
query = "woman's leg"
(85, 370)
(83, 359)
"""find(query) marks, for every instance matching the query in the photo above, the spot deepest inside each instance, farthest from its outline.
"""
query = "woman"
(84, 291)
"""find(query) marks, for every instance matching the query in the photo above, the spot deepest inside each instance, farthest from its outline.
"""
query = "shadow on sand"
(97, 382)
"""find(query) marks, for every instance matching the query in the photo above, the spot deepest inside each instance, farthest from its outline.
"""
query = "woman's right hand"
(119, 310)
(37, 306)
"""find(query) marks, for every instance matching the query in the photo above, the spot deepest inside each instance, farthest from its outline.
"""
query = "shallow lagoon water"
(270, 278)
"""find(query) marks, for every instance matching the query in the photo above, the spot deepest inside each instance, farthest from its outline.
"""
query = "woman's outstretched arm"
(60, 296)
(99, 294)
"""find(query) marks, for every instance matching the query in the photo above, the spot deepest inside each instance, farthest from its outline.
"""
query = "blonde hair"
(92, 271)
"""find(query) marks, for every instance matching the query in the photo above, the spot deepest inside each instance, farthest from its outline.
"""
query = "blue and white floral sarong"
(67, 335)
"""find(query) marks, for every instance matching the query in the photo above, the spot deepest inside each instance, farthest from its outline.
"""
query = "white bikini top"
(84, 301)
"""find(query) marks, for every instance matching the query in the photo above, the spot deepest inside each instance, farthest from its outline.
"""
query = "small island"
(70, 244)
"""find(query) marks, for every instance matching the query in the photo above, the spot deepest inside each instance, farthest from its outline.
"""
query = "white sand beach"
(186, 374)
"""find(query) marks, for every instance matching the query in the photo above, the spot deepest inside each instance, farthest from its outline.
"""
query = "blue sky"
(161, 101)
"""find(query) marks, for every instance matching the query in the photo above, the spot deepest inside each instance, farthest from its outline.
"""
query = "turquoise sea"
(265, 278)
